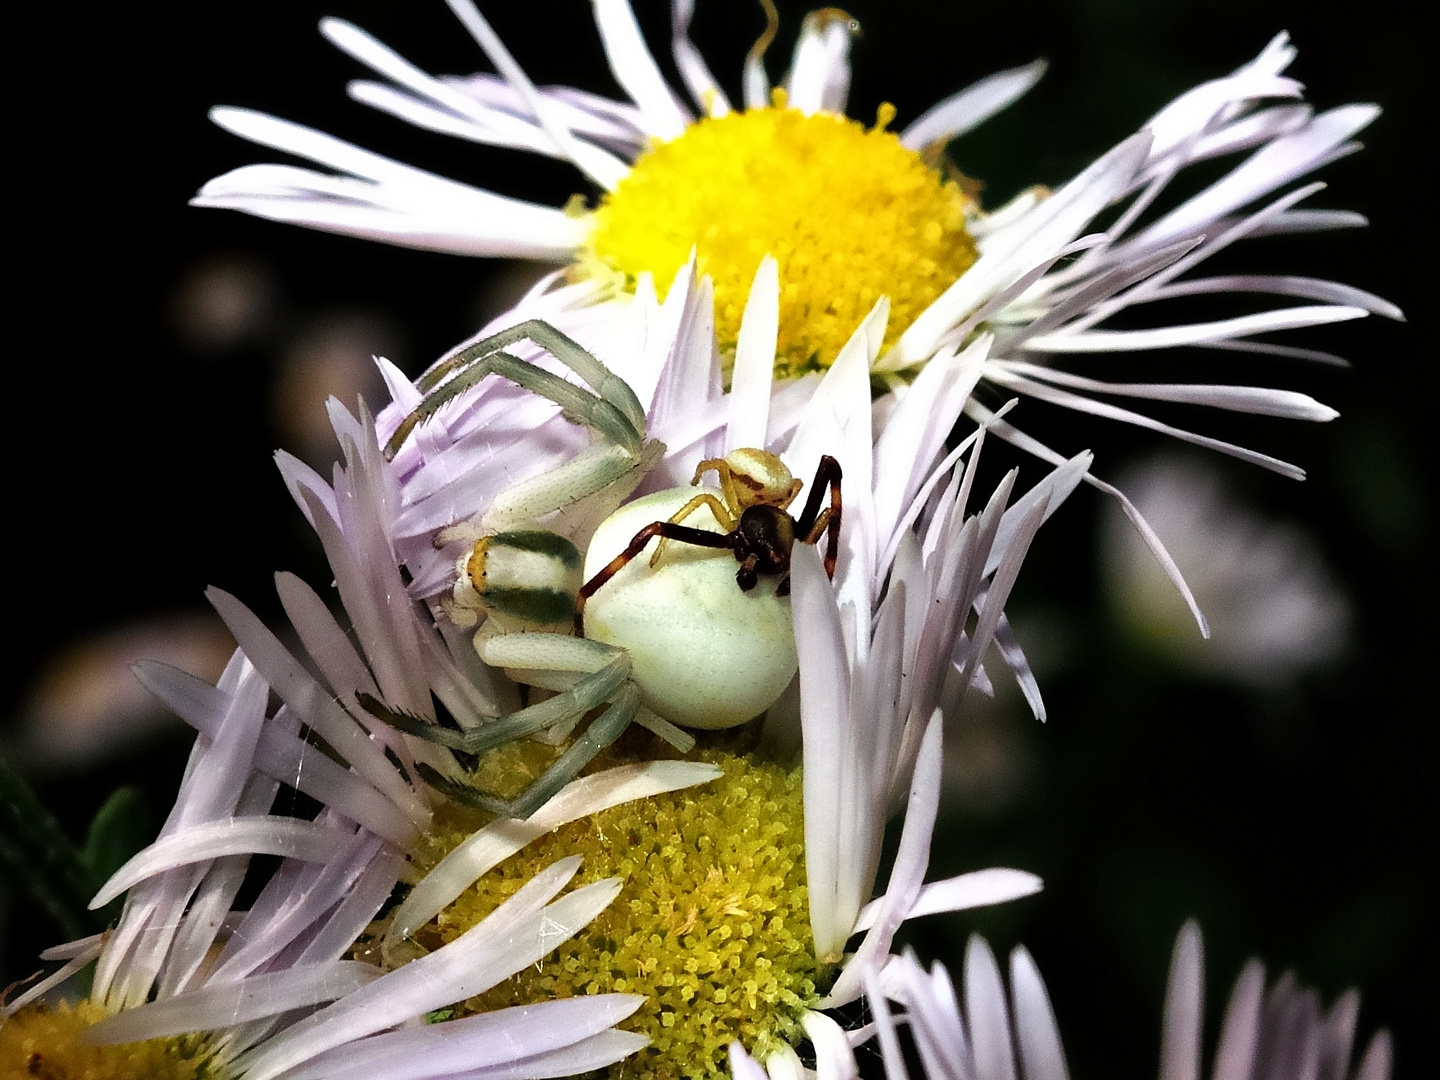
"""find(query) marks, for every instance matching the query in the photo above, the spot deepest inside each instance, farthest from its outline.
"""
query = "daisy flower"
(852, 213)
(742, 880)
(983, 1032)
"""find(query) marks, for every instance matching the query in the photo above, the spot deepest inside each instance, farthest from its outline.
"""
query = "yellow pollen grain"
(848, 213)
(712, 924)
(44, 1042)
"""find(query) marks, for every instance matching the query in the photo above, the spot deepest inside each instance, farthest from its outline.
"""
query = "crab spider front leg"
(666, 530)
(724, 517)
(609, 408)
(597, 468)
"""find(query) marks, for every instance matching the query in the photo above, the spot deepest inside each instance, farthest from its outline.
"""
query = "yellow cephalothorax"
(848, 212)
(748, 477)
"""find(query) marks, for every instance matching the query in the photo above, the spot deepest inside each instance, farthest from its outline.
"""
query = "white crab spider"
(684, 637)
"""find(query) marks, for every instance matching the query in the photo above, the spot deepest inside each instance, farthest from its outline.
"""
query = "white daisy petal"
(284, 757)
(324, 641)
(833, 1059)
(1041, 1054)
(825, 700)
(1026, 244)
(1098, 408)
(235, 1003)
(743, 1066)
(986, 1010)
(1248, 399)
(908, 871)
(785, 1064)
(488, 127)
(1047, 495)
(1255, 129)
(635, 69)
(890, 1052)
(819, 78)
(1282, 285)
(519, 932)
(755, 359)
(1147, 534)
(969, 108)
(1301, 221)
(312, 703)
(1193, 111)
(1240, 1031)
(1015, 659)
(1184, 1005)
(75, 963)
(1376, 1063)
(294, 909)
(917, 430)
(482, 1042)
(698, 80)
(396, 202)
(979, 888)
(286, 837)
(1277, 163)
(598, 165)
(1284, 1031)
(1105, 341)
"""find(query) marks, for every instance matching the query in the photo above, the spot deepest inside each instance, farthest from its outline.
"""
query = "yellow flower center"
(849, 214)
(45, 1042)
(712, 924)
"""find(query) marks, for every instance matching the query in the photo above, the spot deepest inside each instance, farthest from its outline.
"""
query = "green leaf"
(119, 829)
(42, 860)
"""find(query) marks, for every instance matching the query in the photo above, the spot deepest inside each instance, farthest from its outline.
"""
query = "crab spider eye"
(527, 573)
(706, 654)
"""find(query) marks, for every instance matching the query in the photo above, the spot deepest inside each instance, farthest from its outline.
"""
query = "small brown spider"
(757, 489)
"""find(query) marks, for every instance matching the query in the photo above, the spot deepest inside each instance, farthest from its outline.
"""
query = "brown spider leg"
(722, 514)
(721, 468)
(813, 523)
(667, 530)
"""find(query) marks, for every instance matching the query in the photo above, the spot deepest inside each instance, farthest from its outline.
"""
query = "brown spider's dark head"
(763, 540)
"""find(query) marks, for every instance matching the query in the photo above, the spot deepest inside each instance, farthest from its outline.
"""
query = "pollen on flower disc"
(848, 212)
(711, 924)
(47, 1042)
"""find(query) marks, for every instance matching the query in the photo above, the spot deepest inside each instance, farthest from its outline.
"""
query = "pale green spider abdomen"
(706, 653)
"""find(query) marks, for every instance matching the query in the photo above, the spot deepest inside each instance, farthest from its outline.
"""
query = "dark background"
(1297, 824)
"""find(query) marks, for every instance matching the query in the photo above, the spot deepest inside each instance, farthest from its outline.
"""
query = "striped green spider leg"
(610, 407)
(516, 581)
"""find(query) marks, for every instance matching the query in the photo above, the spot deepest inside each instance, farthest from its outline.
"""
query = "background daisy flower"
(852, 215)
(981, 1028)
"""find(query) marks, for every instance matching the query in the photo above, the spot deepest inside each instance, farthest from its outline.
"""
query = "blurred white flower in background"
(85, 705)
(1275, 607)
